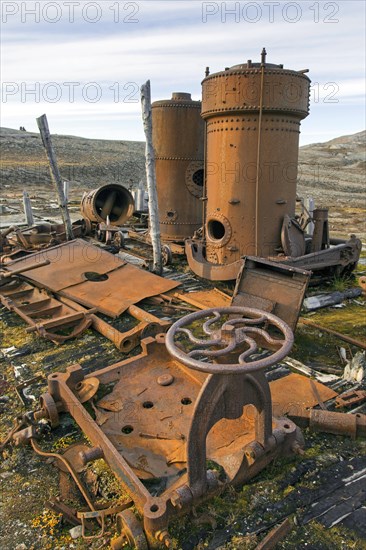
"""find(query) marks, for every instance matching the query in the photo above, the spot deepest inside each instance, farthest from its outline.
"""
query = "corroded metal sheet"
(205, 299)
(271, 286)
(295, 392)
(124, 287)
(69, 263)
(93, 277)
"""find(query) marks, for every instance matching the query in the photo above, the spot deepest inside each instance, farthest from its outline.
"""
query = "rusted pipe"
(111, 200)
(348, 339)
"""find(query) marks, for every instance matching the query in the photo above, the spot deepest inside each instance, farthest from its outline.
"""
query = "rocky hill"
(334, 172)
(87, 163)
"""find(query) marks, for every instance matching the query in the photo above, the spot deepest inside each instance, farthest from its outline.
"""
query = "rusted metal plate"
(271, 286)
(205, 299)
(295, 392)
(93, 277)
(69, 263)
(124, 287)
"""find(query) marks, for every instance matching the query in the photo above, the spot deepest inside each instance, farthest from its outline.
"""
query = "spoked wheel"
(253, 338)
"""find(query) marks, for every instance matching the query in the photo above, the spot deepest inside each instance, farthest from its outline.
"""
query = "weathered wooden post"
(66, 191)
(151, 179)
(310, 208)
(28, 209)
(55, 174)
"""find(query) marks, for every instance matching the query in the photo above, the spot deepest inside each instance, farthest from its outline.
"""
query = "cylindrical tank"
(178, 139)
(253, 113)
(112, 200)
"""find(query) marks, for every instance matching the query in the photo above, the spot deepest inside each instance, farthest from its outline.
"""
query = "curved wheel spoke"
(213, 353)
(195, 340)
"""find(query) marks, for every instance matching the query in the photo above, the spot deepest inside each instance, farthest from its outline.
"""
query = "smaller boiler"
(178, 139)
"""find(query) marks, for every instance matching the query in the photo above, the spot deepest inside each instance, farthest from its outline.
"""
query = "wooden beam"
(55, 174)
(151, 179)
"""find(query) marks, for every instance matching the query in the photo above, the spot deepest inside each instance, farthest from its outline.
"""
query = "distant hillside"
(331, 172)
(87, 163)
(334, 171)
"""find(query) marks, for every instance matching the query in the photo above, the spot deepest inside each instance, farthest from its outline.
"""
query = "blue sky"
(82, 62)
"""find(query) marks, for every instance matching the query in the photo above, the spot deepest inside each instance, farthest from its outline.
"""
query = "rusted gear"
(244, 335)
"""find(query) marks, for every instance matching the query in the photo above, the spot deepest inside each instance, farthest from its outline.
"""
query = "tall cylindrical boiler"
(253, 113)
(178, 139)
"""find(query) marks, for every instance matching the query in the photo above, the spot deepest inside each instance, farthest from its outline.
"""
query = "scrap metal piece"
(45, 314)
(23, 385)
(164, 420)
(74, 457)
(276, 535)
(350, 398)
(271, 286)
(111, 200)
(205, 299)
(87, 389)
(93, 277)
(131, 530)
(353, 425)
(125, 341)
(313, 303)
(295, 392)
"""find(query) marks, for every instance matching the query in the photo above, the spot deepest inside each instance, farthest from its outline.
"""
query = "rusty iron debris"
(205, 299)
(271, 286)
(350, 398)
(313, 303)
(338, 423)
(16, 243)
(252, 127)
(178, 141)
(92, 277)
(296, 392)
(149, 325)
(111, 201)
(166, 410)
(46, 315)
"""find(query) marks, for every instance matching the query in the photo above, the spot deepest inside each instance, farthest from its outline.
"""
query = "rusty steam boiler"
(178, 139)
(253, 113)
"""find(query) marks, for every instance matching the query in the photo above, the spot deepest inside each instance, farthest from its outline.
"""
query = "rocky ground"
(332, 174)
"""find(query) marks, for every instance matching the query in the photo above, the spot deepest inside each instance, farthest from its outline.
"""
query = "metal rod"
(258, 159)
(348, 339)
(28, 209)
(55, 174)
(151, 179)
